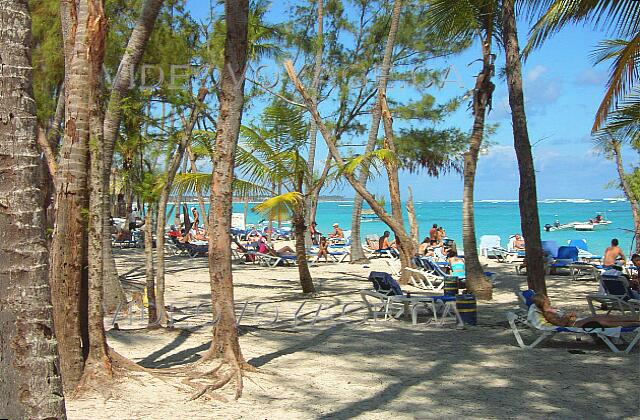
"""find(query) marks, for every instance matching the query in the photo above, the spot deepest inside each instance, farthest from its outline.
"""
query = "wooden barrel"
(450, 286)
(467, 308)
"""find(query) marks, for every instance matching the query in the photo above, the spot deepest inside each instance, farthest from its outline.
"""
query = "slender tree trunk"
(98, 361)
(529, 218)
(225, 343)
(357, 254)
(414, 230)
(113, 294)
(172, 169)
(406, 247)
(628, 192)
(393, 224)
(30, 384)
(476, 281)
(148, 265)
(301, 253)
(317, 71)
(68, 248)
(194, 169)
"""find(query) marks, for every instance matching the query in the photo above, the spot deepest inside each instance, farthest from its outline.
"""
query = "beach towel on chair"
(384, 283)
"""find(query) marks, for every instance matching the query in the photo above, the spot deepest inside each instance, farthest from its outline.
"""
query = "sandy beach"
(347, 367)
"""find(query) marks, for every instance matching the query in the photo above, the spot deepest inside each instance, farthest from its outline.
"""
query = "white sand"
(350, 368)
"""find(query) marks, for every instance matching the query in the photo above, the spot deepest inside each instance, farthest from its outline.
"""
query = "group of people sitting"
(188, 232)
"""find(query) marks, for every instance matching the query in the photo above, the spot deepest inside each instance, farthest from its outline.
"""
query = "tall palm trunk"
(299, 226)
(148, 266)
(529, 219)
(626, 188)
(68, 248)
(477, 282)
(172, 170)
(98, 361)
(357, 254)
(113, 294)
(225, 343)
(31, 386)
(313, 136)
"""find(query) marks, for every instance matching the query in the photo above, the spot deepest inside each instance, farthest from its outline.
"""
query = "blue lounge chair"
(583, 249)
(565, 257)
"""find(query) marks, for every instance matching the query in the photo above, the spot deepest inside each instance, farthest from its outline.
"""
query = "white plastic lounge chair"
(490, 247)
(546, 331)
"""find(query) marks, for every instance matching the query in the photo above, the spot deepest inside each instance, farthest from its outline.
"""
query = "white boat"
(583, 226)
(369, 216)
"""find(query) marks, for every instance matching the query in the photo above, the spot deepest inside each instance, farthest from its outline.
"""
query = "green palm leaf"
(280, 206)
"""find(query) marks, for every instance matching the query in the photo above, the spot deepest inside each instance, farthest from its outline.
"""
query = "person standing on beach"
(196, 219)
(133, 218)
(611, 255)
(432, 231)
(313, 231)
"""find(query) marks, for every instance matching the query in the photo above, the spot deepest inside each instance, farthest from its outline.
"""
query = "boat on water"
(369, 216)
(589, 225)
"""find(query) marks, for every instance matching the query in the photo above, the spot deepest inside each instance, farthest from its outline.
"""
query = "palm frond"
(373, 159)
(619, 17)
(280, 206)
(624, 72)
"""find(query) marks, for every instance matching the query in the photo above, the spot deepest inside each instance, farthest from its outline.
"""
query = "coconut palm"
(620, 18)
(269, 162)
(609, 142)
(529, 217)
(469, 19)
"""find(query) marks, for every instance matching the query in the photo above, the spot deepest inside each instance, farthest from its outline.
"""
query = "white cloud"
(535, 73)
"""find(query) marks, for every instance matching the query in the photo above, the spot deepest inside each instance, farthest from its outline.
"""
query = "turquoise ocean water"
(492, 218)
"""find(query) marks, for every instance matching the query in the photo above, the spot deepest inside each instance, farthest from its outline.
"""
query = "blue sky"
(562, 92)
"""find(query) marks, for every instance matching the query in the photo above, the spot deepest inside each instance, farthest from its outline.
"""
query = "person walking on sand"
(612, 254)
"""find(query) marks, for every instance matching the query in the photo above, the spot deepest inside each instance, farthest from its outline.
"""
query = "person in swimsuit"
(569, 319)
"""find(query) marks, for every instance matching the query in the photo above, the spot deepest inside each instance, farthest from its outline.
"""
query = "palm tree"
(468, 19)
(609, 142)
(529, 218)
(270, 163)
(620, 18)
(224, 343)
(31, 386)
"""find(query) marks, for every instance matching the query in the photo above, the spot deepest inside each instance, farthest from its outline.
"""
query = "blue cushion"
(528, 296)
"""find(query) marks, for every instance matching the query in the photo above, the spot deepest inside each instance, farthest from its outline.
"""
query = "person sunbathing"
(337, 232)
(285, 251)
(559, 318)
(518, 243)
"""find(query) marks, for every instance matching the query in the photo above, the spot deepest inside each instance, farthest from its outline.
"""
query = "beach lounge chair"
(583, 250)
(490, 247)
(443, 308)
(197, 249)
(545, 331)
(615, 295)
(565, 257)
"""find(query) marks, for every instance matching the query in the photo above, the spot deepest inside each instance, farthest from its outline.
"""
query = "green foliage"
(47, 56)
(281, 206)
(436, 151)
